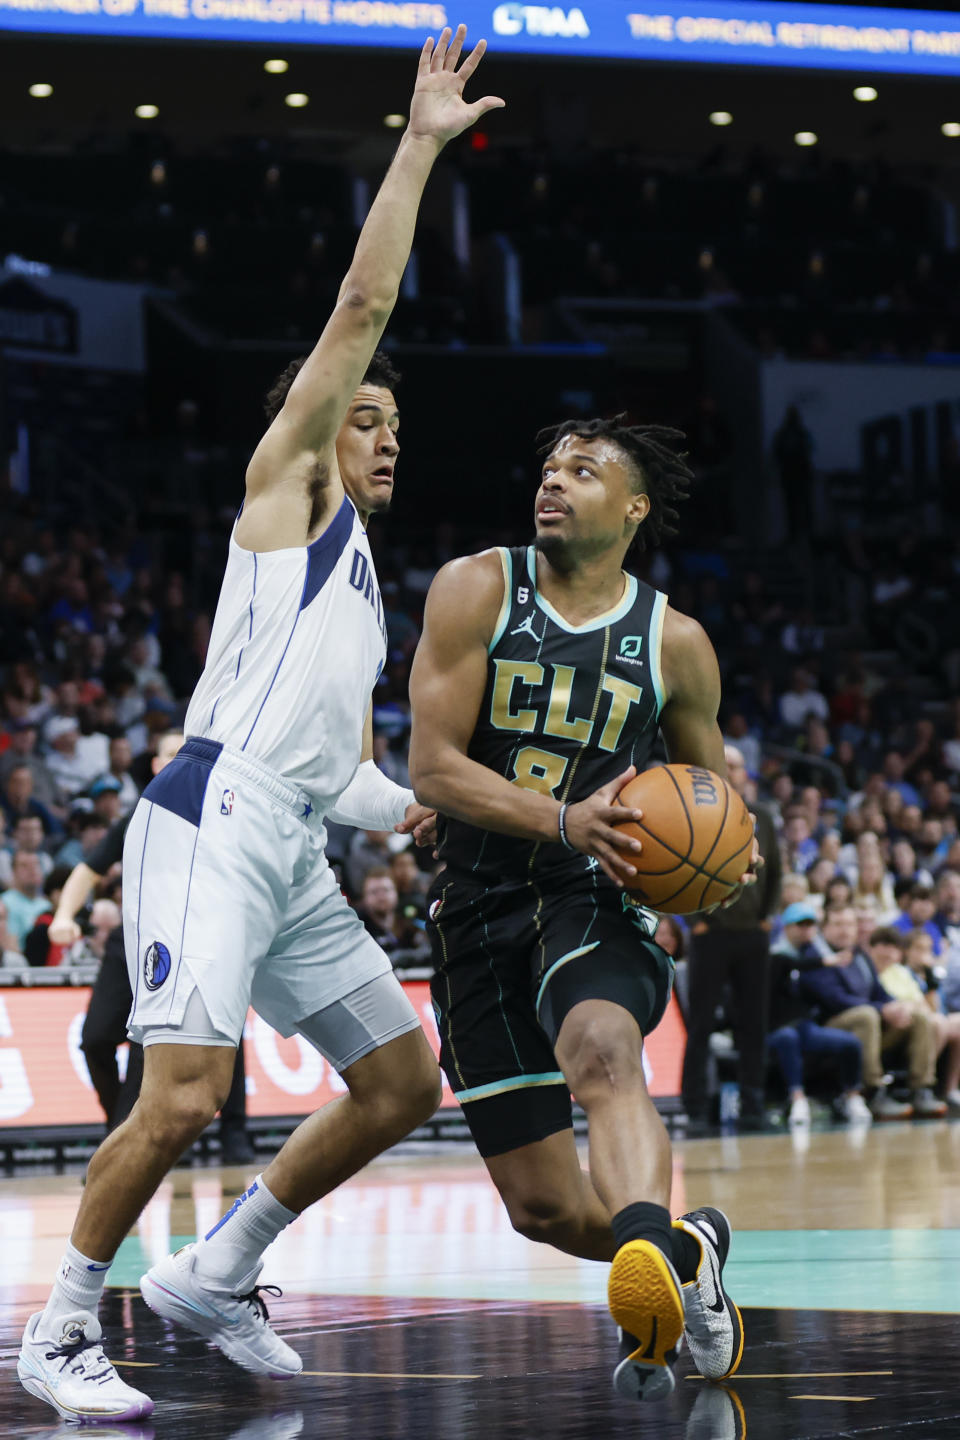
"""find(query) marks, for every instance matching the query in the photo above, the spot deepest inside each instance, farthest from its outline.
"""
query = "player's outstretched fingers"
(479, 108)
(454, 48)
(423, 65)
(472, 60)
(440, 53)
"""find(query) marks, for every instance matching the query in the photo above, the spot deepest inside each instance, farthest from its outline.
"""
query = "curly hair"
(660, 467)
(380, 371)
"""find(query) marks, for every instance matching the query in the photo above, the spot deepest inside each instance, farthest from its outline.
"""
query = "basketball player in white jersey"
(228, 899)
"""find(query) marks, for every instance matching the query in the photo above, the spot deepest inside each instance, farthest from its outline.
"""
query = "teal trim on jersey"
(506, 560)
(656, 645)
(573, 955)
(501, 1087)
(600, 622)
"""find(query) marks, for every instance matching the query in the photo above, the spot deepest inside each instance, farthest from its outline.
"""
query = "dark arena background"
(738, 218)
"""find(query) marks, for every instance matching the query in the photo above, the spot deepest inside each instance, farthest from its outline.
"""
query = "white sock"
(232, 1248)
(78, 1286)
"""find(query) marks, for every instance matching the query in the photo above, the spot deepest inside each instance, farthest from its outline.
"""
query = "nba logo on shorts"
(156, 965)
(226, 802)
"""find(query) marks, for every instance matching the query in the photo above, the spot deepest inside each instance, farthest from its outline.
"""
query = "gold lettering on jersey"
(538, 770)
(508, 673)
(558, 721)
(622, 696)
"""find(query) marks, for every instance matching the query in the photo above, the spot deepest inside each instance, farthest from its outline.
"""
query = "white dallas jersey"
(297, 645)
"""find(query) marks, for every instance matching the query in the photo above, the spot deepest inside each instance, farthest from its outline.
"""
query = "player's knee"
(181, 1113)
(600, 1054)
(430, 1092)
(544, 1218)
(397, 1111)
(420, 1097)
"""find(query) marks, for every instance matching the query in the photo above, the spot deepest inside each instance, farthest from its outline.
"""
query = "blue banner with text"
(750, 32)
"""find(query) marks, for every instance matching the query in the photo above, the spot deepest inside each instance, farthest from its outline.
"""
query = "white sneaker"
(713, 1324)
(855, 1109)
(236, 1321)
(73, 1375)
(952, 1098)
(270, 1427)
(799, 1111)
(717, 1415)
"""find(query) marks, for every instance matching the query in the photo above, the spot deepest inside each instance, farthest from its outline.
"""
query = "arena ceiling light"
(720, 117)
(276, 67)
(394, 122)
(805, 137)
(147, 112)
(864, 93)
(297, 100)
(951, 129)
(41, 91)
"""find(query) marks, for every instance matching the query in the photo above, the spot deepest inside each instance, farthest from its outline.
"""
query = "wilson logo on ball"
(704, 788)
(696, 837)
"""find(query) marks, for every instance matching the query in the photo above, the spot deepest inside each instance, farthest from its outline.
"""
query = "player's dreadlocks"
(380, 372)
(661, 468)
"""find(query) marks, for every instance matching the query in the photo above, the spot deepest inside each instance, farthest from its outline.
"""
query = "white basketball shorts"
(227, 894)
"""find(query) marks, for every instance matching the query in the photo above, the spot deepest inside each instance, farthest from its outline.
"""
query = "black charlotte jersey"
(566, 709)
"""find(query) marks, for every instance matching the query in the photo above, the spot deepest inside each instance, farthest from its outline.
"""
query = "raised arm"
(292, 480)
(691, 677)
(447, 685)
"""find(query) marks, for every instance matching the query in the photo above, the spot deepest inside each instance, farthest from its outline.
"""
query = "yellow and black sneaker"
(713, 1322)
(646, 1301)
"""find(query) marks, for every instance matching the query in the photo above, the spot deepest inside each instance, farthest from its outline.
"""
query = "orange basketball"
(697, 836)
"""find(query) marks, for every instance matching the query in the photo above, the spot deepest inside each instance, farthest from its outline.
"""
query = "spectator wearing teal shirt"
(25, 900)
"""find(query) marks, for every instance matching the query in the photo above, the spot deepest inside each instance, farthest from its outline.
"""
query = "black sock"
(644, 1221)
(686, 1255)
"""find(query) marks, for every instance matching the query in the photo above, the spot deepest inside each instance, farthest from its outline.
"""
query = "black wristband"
(562, 822)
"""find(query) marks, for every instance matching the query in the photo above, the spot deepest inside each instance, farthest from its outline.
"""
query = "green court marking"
(901, 1270)
(132, 1261)
(906, 1270)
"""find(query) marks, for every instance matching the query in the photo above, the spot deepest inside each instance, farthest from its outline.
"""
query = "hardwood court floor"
(420, 1313)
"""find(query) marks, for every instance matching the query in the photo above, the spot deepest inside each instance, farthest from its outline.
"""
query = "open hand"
(593, 826)
(438, 110)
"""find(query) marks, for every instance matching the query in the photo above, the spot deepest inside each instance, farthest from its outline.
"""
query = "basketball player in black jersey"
(538, 689)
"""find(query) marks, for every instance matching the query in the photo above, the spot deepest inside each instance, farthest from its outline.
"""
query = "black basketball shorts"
(511, 961)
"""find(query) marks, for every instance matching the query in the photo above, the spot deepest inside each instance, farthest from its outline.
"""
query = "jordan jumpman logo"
(526, 628)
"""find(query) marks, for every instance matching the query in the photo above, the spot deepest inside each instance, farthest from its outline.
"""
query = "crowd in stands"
(856, 756)
(814, 258)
